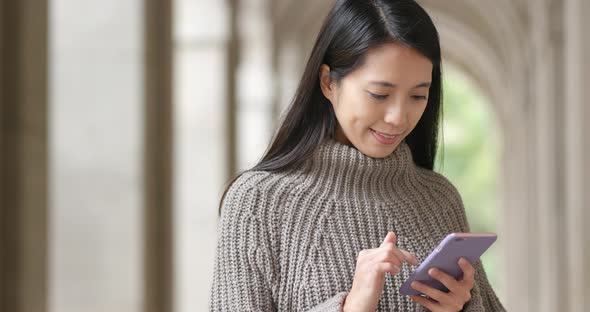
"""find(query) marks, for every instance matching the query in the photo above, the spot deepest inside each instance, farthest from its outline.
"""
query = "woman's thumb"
(390, 238)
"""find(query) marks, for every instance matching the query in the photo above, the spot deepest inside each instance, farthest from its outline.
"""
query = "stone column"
(254, 82)
(204, 157)
(23, 160)
(96, 155)
(157, 158)
(576, 237)
(546, 83)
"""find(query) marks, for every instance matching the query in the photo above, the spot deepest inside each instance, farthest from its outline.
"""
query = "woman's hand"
(459, 291)
(369, 276)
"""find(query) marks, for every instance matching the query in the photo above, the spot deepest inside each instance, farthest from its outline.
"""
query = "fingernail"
(433, 271)
(414, 284)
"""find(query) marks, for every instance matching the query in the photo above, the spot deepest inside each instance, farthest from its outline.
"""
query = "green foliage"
(469, 157)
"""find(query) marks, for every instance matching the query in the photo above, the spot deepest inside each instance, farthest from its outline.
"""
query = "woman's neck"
(347, 170)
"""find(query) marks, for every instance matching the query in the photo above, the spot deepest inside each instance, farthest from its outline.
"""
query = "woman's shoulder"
(443, 189)
(435, 178)
(249, 180)
(440, 184)
(265, 181)
(262, 190)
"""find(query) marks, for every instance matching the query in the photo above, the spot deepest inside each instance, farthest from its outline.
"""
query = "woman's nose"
(397, 115)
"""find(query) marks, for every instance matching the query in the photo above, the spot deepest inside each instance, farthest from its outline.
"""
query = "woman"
(345, 202)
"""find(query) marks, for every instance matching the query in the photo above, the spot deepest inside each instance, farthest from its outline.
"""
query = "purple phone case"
(446, 257)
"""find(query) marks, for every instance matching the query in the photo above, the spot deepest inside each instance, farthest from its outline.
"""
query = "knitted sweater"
(288, 241)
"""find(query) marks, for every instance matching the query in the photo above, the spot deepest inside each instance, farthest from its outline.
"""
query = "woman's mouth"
(385, 138)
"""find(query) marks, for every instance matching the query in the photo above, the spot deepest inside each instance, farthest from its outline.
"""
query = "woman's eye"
(378, 96)
(419, 97)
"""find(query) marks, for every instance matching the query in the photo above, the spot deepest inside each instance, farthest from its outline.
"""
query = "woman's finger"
(384, 267)
(386, 250)
(450, 282)
(389, 238)
(433, 293)
(425, 302)
(397, 252)
(401, 255)
(367, 254)
(410, 257)
(385, 256)
(382, 254)
(468, 271)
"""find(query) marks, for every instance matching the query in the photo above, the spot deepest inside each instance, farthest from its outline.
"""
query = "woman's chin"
(377, 150)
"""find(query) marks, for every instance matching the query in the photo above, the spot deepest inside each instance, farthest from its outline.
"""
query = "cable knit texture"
(288, 241)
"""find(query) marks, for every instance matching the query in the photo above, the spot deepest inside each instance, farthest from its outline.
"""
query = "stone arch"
(516, 52)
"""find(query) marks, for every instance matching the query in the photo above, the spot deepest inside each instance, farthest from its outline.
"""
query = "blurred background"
(121, 122)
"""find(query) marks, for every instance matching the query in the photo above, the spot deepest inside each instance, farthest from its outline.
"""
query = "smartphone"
(446, 258)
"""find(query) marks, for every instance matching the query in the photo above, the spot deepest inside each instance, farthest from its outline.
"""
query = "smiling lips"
(385, 138)
(386, 134)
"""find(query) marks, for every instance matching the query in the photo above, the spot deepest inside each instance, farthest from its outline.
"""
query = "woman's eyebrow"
(391, 85)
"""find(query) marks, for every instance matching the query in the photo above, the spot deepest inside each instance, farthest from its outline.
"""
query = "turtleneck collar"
(347, 169)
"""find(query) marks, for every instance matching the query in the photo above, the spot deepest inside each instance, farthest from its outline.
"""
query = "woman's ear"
(326, 83)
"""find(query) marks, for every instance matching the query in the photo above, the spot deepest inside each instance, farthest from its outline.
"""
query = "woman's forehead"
(395, 64)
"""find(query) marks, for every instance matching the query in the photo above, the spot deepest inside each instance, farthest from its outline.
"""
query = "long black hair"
(351, 28)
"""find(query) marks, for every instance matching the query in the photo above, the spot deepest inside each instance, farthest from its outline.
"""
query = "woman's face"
(379, 103)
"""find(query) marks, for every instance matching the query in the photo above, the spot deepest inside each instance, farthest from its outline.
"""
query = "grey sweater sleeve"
(245, 274)
(483, 297)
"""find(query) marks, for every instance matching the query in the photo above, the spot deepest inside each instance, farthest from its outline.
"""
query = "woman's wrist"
(350, 305)
(346, 304)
